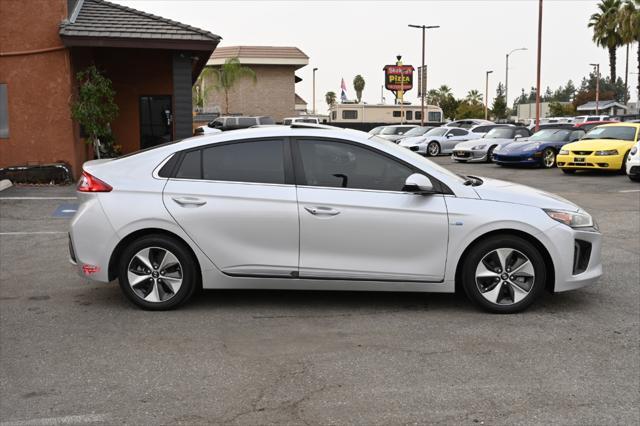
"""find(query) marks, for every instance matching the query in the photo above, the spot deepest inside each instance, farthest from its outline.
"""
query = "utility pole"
(486, 96)
(538, 66)
(506, 76)
(424, 69)
(597, 67)
(314, 90)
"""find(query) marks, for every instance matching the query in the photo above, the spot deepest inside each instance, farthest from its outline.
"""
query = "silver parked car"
(395, 132)
(320, 209)
(440, 140)
(482, 149)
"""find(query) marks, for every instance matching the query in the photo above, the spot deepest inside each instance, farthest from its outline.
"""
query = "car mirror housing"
(418, 183)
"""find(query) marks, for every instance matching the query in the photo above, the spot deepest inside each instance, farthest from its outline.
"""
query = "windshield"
(555, 135)
(499, 133)
(625, 133)
(418, 131)
(376, 130)
(438, 131)
(425, 163)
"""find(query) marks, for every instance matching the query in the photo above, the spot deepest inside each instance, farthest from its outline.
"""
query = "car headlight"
(577, 219)
(564, 152)
(477, 147)
(607, 152)
(633, 150)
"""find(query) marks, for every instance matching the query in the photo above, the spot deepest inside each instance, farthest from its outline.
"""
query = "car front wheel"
(548, 158)
(504, 274)
(433, 149)
(157, 272)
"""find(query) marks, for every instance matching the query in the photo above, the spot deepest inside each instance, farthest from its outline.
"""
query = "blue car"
(537, 150)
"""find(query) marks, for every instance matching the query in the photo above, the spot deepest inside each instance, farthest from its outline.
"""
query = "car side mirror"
(419, 184)
(517, 138)
(449, 135)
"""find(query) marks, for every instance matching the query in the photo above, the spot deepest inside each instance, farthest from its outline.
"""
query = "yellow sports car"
(605, 147)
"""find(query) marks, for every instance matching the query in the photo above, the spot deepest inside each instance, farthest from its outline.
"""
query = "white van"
(289, 120)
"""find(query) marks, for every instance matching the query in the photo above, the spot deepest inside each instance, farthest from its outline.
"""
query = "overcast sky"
(346, 38)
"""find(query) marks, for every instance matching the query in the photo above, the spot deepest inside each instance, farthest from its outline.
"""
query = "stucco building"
(152, 62)
(273, 92)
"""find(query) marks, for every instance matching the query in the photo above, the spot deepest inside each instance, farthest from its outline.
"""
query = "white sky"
(345, 38)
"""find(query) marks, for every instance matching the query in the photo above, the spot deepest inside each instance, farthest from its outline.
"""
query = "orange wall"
(38, 85)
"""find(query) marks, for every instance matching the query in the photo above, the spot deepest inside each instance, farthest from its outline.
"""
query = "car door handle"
(189, 201)
(322, 211)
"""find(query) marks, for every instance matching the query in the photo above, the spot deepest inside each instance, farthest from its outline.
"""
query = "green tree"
(629, 28)
(228, 74)
(449, 107)
(605, 30)
(330, 98)
(474, 96)
(95, 108)
(358, 86)
(468, 109)
(499, 106)
(557, 109)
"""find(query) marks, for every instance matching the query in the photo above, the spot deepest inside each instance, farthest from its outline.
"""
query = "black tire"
(635, 178)
(490, 154)
(486, 246)
(623, 168)
(188, 271)
(435, 147)
(545, 153)
(568, 171)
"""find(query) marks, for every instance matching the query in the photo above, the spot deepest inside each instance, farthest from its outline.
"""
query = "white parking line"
(66, 420)
(630, 190)
(38, 198)
(34, 233)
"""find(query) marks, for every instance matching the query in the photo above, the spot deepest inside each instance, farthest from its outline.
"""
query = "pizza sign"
(398, 77)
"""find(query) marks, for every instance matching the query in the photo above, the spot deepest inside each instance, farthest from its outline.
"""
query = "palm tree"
(433, 97)
(605, 30)
(358, 85)
(474, 96)
(444, 91)
(330, 98)
(629, 27)
(227, 75)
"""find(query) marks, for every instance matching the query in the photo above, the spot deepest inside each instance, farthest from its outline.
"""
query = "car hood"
(520, 147)
(598, 144)
(508, 192)
(470, 144)
(412, 140)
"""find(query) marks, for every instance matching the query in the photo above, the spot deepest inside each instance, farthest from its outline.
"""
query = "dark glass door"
(156, 120)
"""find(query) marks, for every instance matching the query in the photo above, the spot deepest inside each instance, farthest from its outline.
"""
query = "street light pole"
(538, 65)
(597, 67)
(314, 90)
(486, 96)
(424, 70)
(506, 76)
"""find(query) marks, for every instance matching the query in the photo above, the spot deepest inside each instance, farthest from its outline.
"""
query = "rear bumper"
(590, 162)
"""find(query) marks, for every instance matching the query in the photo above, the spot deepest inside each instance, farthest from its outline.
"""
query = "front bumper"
(590, 162)
(633, 167)
(420, 149)
(523, 159)
(469, 155)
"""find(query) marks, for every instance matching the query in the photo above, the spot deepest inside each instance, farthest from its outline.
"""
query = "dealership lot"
(78, 352)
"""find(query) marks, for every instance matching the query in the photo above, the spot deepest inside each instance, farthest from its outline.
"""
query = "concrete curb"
(4, 184)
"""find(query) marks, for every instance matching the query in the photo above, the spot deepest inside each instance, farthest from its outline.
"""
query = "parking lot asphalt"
(75, 352)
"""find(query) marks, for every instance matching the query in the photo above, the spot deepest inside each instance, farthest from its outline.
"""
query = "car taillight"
(89, 183)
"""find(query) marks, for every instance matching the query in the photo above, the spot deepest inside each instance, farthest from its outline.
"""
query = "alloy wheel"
(549, 158)
(155, 274)
(505, 276)
(434, 149)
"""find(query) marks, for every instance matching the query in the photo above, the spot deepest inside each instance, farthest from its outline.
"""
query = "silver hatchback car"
(320, 209)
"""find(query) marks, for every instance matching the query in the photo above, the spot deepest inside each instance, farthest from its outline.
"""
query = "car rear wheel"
(433, 149)
(157, 273)
(548, 158)
(504, 274)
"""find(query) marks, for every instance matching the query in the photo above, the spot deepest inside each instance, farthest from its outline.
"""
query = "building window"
(397, 114)
(349, 114)
(418, 115)
(334, 115)
(4, 112)
(434, 116)
(409, 115)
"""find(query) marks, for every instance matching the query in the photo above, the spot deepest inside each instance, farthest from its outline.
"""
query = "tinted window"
(481, 129)
(216, 124)
(287, 122)
(594, 118)
(458, 132)
(434, 116)
(266, 120)
(349, 114)
(575, 135)
(500, 133)
(343, 165)
(255, 161)
(522, 132)
(246, 122)
(190, 166)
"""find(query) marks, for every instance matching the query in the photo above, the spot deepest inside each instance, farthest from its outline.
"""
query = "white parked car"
(302, 119)
(482, 149)
(633, 163)
(320, 209)
(395, 132)
(440, 140)
(468, 123)
(585, 118)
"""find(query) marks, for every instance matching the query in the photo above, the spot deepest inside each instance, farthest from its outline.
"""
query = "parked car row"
(588, 145)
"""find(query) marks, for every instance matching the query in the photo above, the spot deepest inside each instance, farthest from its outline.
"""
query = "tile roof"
(279, 52)
(105, 20)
